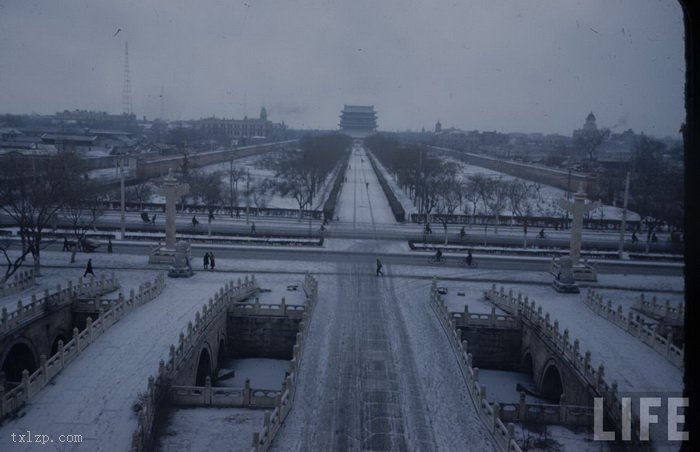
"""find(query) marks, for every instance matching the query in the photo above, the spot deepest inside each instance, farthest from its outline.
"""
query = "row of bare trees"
(301, 174)
(34, 194)
(439, 191)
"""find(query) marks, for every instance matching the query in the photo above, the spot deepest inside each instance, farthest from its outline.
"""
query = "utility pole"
(623, 225)
(230, 180)
(120, 162)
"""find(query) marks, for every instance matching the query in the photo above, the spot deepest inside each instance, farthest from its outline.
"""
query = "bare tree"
(450, 194)
(522, 198)
(495, 200)
(139, 193)
(13, 263)
(82, 210)
(33, 190)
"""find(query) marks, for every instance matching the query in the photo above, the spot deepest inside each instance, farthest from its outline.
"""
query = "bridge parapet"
(26, 313)
(267, 309)
(489, 413)
(667, 312)
(158, 386)
(207, 395)
(48, 368)
(567, 351)
(649, 334)
(19, 282)
(493, 320)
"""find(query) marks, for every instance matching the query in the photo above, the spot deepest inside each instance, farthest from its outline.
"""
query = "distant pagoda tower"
(358, 121)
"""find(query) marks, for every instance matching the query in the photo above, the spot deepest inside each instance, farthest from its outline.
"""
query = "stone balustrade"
(649, 334)
(19, 282)
(158, 387)
(540, 413)
(667, 312)
(26, 313)
(265, 309)
(31, 384)
(207, 395)
(569, 352)
(283, 404)
(488, 413)
(493, 320)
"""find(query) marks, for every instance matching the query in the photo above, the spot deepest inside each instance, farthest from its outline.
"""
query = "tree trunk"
(37, 264)
(444, 226)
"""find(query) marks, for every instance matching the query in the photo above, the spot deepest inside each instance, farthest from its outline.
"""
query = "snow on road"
(389, 378)
(361, 200)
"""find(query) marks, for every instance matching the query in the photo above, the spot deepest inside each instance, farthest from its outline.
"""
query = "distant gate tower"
(358, 121)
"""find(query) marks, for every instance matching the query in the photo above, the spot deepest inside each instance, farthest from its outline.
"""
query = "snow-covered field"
(263, 373)
(211, 429)
(547, 196)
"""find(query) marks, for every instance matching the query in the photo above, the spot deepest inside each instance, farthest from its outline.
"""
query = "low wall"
(634, 325)
(245, 397)
(19, 282)
(23, 314)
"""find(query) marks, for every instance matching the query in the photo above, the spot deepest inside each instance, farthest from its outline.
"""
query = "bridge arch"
(60, 336)
(551, 386)
(204, 366)
(19, 356)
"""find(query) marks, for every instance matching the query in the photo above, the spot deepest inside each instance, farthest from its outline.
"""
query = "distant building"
(244, 130)
(358, 121)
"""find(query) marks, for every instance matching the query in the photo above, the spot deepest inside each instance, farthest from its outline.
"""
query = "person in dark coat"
(634, 237)
(88, 269)
(195, 222)
(206, 261)
(469, 258)
(109, 245)
(153, 220)
(379, 267)
(211, 260)
(65, 244)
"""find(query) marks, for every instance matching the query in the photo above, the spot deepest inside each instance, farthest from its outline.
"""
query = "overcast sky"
(535, 66)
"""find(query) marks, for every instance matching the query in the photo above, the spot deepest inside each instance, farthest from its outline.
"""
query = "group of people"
(209, 262)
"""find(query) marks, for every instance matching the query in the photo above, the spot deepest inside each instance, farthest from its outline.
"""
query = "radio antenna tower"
(126, 93)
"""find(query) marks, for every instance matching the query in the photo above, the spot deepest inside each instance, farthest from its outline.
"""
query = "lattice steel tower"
(126, 92)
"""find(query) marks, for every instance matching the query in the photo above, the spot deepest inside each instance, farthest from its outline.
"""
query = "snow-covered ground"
(501, 386)
(263, 373)
(547, 196)
(211, 429)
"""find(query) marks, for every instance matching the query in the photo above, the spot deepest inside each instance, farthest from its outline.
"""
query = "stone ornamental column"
(578, 208)
(171, 190)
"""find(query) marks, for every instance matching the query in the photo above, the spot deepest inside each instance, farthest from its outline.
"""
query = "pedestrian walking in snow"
(427, 229)
(252, 228)
(206, 261)
(65, 244)
(88, 269)
(379, 267)
(469, 258)
(212, 263)
(109, 245)
(462, 233)
(153, 220)
(195, 222)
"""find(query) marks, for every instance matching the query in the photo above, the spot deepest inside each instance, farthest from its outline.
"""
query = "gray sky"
(535, 66)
